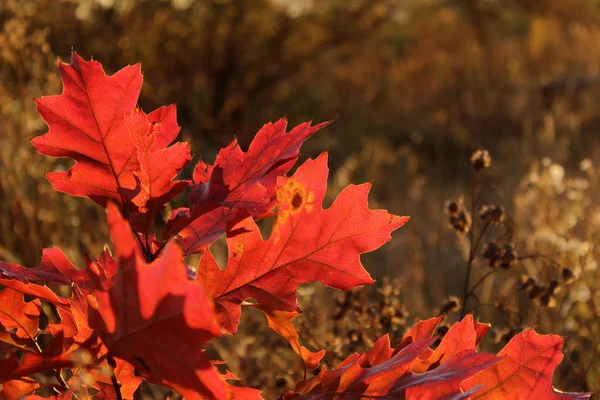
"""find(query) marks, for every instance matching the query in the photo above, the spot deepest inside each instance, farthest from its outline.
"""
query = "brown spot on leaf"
(296, 201)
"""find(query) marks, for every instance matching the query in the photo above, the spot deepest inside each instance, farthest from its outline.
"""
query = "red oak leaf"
(155, 318)
(444, 381)
(421, 330)
(17, 314)
(74, 318)
(238, 179)
(41, 292)
(87, 123)
(238, 392)
(247, 179)
(157, 165)
(53, 357)
(481, 330)
(356, 379)
(281, 322)
(306, 244)
(525, 371)
(459, 338)
(18, 388)
(55, 268)
(124, 372)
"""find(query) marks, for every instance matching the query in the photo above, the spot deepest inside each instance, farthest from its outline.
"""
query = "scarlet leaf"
(238, 180)
(306, 244)
(421, 330)
(41, 292)
(459, 338)
(18, 388)
(124, 372)
(357, 379)
(19, 315)
(247, 179)
(74, 319)
(157, 166)
(87, 123)
(53, 357)
(525, 371)
(159, 329)
(280, 322)
(55, 267)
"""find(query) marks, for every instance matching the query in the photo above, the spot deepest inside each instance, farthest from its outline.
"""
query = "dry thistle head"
(481, 159)
(492, 213)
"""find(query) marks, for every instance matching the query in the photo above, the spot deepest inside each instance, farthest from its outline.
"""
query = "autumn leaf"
(356, 378)
(155, 318)
(124, 373)
(18, 388)
(238, 180)
(525, 371)
(460, 337)
(306, 244)
(281, 322)
(55, 268)
(52, 357)
(87, 123)
(19, 315)
(32, 289)
(157, 165)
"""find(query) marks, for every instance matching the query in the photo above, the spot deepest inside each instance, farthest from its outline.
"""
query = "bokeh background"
(414, 88)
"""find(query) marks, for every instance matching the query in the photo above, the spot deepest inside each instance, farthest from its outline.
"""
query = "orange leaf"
(281, 322)
(306, 244)
(525, 371)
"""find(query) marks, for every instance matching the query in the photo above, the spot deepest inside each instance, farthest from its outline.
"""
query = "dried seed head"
(492, 252)
(504, 335)
(553, 287)
(481, 159)
(547, 300)
(536, 291)
(567, 274)
(527, 282)
(492, 213)
(452, 303)
(461, 221)
(452, 207)
(509, 256)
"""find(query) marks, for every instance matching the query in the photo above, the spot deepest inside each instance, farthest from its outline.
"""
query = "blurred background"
(415, 87)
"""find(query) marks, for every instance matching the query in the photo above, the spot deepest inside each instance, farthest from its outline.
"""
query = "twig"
(480, 281)
(471, 243)
(113, 378)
